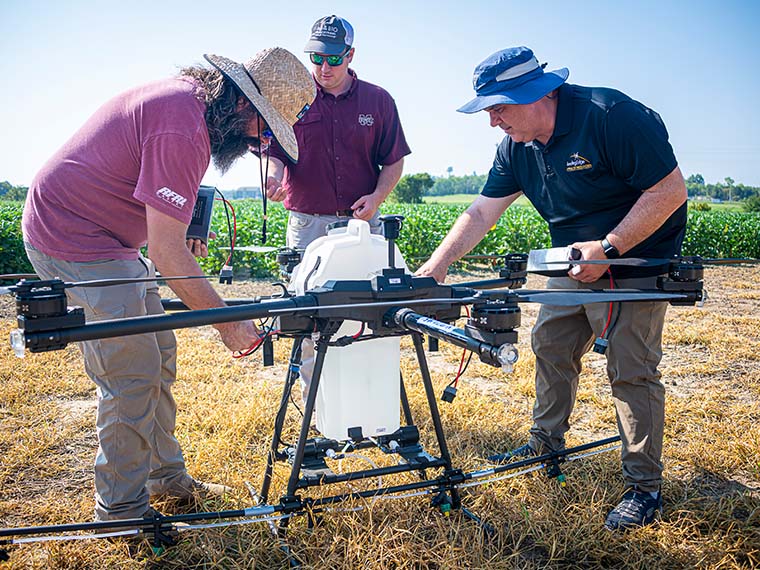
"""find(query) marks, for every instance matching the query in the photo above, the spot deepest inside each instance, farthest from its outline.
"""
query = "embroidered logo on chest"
(577, 162)
(168, 195)
(366, 120)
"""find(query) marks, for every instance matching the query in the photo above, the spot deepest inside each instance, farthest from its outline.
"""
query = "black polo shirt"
(606, 150)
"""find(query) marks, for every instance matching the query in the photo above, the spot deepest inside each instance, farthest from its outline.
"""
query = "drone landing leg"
(429, 392)
(434, 413)
(295, 472)
(405, 402)
(290, 380)
(311, 399)
(487, 528)
(444, 501)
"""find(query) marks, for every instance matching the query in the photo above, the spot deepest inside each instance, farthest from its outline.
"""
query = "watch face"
(610, 250)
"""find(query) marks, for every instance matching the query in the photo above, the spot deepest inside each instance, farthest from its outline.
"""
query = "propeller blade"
(729, 261)
(574, 297)
(397, 303)
(619, 261)
(484, 256)
(17, 276)
(255, 248)
(119, 281)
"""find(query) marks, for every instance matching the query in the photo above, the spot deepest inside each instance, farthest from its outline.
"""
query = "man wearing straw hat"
(598, 166)
(129, 177)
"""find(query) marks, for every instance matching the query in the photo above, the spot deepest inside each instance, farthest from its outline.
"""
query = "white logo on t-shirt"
(172, 197)
(366, 120)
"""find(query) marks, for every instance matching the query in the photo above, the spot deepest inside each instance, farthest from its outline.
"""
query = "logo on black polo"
(577, 162)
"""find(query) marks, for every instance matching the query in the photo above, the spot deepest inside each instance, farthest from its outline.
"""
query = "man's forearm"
(195, 293)
(388, 178)
(467, 232)
(650, 211)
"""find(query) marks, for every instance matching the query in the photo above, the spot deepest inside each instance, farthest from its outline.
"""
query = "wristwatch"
(610, 250)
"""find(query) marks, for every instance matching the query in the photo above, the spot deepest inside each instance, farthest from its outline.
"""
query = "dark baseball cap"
(330, 35)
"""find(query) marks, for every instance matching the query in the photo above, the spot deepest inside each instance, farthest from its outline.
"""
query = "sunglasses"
(256, 144)
(332, 60)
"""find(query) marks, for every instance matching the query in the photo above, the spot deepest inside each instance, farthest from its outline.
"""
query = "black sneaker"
(522, 451)
(635, 509)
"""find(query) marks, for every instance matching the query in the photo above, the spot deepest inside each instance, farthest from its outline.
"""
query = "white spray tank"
(359, 385)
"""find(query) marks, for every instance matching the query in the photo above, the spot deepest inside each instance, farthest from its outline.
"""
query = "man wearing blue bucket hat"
(598, 167)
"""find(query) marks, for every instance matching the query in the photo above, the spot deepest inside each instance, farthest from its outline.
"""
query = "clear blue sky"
(695, 62)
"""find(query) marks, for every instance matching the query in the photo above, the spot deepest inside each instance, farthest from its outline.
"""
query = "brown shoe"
(187, 489)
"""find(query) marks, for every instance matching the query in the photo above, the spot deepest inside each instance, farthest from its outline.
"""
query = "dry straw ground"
(712, 452)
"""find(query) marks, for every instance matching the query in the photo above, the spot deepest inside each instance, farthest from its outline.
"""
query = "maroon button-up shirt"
(342, 141)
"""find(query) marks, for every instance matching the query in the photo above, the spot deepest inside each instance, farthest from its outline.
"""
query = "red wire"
(248, 351)
(459, 372)
(464, 352)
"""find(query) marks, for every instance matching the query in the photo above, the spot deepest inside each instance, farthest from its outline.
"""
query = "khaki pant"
(138, 454)
(562, 335)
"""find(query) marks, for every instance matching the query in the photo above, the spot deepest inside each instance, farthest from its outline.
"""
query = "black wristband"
(610, 251)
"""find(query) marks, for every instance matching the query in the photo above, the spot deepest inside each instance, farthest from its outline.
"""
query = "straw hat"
(279, 87)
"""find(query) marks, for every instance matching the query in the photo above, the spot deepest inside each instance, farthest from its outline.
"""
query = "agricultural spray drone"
(391, 304)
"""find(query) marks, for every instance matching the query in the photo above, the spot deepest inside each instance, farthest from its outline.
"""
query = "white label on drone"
(433, 324)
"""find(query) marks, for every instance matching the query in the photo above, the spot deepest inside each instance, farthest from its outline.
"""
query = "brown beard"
(235, 141)
(227, 127)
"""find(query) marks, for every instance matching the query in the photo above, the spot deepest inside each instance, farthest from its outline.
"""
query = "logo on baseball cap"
(330, 35)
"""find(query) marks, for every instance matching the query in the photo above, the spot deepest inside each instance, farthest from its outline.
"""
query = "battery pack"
(200, 224)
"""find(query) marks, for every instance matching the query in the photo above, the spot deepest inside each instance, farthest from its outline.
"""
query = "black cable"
(313, 269)
(229, 224)
(263, 177)
(460, 374)
(617, 313)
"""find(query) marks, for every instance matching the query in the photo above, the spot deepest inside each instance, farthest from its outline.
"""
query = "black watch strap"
(610, 250)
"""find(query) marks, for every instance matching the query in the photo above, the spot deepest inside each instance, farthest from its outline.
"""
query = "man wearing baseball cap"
(130, 177)
(352, 147)
(598, 167)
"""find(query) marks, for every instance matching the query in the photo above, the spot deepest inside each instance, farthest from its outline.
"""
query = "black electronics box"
(200, 224)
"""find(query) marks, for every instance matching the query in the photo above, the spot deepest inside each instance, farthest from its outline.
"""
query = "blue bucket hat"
(512, 76)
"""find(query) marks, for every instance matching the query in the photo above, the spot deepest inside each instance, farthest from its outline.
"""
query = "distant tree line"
(10, 192)
(468, 184)
(726, 191)
(412, 187)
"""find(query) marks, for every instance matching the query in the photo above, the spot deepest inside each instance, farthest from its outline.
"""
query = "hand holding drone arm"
(366, 206)
(168, 250)
(465, 234)
(650, 211)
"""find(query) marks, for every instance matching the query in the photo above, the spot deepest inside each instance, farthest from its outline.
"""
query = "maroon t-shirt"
(343, 141)
(149, 146)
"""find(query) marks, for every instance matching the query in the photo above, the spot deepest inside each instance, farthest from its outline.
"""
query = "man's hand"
(434, 270)
(366, 206)
(238, 336)
(275, 191)
(197, 247)
(588, 273)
